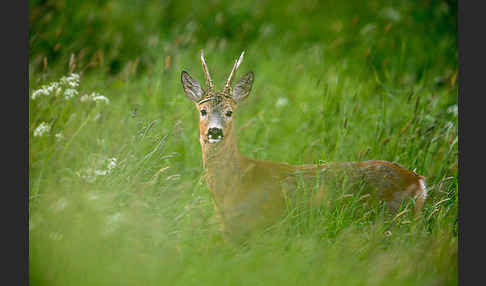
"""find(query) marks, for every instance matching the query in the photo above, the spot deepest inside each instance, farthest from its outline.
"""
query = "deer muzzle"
(215, 134)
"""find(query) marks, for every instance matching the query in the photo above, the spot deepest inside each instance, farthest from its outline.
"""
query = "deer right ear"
(192, 87)
(243, 87)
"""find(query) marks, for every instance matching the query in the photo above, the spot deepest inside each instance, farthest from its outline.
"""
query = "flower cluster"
(94, 97)
(42, 129)
(66, 87)
(72, 80)
(453, 109)
(59, 136)
(90, 175)
(281, 102)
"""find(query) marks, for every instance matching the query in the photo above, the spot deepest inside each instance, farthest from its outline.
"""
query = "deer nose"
(215, 133)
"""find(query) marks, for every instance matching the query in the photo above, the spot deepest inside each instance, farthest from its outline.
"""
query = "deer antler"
(209, 82)
(232, 74)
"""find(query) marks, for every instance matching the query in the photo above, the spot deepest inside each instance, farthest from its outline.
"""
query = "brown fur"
(250, 194)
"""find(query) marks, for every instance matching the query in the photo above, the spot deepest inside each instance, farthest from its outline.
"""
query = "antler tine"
(233, 71)
(209, 82)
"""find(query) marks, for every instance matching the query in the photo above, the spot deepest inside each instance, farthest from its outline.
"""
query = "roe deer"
(250, 193)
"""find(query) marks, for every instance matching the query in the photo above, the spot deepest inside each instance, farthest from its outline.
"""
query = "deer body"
(249, 194)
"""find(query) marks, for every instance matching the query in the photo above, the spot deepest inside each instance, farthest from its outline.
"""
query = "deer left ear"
(191, 86)
(242, 88)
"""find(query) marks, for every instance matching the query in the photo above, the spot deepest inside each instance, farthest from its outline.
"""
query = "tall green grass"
(117, 195)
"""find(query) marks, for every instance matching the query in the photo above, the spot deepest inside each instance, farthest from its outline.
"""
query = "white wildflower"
(101, 98)
(39, 92)
(87, 175)
(54, 89)
(449, 125)
(46, 90)
(42, 129)
(59, 136)
(94, 97)
(90, 175)
(70, 93)
(111, 163)
(281, 101)
(391, 14)
(369, 28)
(453, 109)
(100, 172)
(68, 84)
(72, 80)
(57, 91)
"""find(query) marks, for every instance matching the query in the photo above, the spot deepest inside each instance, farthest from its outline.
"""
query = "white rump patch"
(422, 185)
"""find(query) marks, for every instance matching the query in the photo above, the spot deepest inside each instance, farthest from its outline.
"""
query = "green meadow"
(116, 188)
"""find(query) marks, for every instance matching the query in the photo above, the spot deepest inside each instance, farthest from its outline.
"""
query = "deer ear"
(242, 88)
(191, 86)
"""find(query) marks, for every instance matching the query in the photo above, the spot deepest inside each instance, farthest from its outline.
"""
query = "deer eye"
(229, 113)
(203, 112)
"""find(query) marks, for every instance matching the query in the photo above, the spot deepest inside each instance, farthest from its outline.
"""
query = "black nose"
(215, 133)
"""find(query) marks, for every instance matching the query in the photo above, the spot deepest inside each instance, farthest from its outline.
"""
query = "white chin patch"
(214, 140)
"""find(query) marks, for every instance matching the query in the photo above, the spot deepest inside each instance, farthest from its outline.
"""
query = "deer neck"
(223, 155)
(222, 162)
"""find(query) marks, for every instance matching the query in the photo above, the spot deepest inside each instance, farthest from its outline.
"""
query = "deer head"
(215, 107)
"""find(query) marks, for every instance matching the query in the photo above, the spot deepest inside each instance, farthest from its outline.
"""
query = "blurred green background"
(117, 195)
